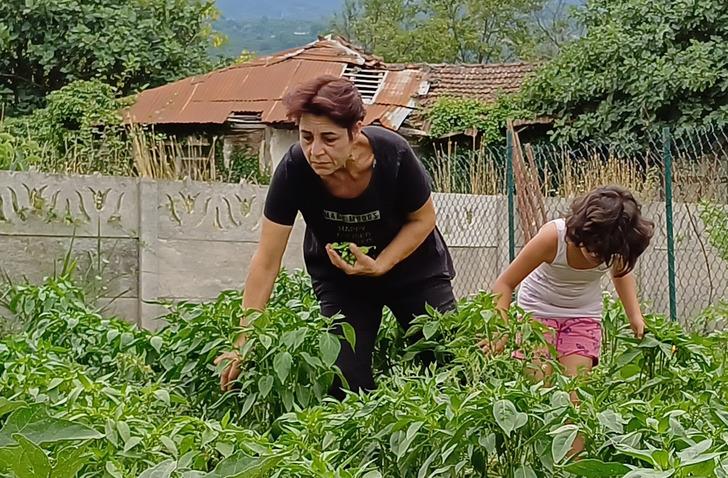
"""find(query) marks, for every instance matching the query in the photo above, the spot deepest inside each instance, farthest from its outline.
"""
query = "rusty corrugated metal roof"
(256, 86)
(259, 86)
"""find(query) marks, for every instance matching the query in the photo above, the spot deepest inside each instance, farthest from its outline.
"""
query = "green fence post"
(511, 206)
(667, 157)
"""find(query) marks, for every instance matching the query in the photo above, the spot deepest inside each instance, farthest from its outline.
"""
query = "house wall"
(279, 143)
(270, 143)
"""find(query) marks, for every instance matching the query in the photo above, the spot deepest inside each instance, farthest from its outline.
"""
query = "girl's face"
(326, 145)
(591, 257)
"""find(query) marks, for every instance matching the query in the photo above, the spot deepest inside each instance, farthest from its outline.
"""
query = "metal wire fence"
(491, 200)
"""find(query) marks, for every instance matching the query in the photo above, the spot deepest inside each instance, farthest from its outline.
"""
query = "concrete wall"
(155, 239)
(150, 240)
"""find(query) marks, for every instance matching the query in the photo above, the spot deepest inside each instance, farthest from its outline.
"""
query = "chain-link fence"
(491, 200)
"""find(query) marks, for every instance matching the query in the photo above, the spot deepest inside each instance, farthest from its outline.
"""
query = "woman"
(354, 184)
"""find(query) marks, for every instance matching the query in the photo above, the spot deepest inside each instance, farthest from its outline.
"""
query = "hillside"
(307, 10)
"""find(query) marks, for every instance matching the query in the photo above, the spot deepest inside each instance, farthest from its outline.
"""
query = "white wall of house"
(279, 141)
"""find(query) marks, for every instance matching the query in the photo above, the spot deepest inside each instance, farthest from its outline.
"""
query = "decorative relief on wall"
(66, 203)
(226, 211)
(223, 212)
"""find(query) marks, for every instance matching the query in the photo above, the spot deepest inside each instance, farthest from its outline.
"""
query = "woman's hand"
(364, 265)
(232, 368)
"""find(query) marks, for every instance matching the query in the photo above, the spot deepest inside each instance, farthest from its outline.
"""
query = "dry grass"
(162, 158)
(573, 178)
(474, 171)
(568, 174)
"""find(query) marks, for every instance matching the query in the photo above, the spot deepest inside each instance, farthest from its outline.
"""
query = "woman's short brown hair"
(608, 222)
(336, 98)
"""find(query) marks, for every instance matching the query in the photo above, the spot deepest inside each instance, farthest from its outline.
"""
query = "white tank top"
(558, 291)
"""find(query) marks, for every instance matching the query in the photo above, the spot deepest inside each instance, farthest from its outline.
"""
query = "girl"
(560, 270)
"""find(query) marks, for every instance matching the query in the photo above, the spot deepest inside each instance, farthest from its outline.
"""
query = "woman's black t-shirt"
(399, 185)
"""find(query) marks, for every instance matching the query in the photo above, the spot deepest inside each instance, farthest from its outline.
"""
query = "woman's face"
(326, 145)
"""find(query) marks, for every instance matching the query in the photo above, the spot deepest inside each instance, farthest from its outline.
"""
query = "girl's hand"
(495, 347)
(638, 326)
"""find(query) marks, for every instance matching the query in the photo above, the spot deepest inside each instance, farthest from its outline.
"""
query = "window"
(366, 81)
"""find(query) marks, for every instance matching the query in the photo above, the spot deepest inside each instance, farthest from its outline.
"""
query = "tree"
(555, 26)
(471, 31)
(128, 44)
(641, 65)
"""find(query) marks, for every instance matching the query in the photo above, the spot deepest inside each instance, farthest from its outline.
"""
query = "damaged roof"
(479, 81)
(256, 88)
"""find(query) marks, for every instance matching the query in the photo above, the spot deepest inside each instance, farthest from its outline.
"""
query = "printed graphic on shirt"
(356, 228)
(352, 218)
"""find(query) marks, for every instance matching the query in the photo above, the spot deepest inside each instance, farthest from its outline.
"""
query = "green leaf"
(162, 395)
(113, 470)
(314, 362)
(591, 468)
(7, 406)
(39, 428)
(225, 449)
(611, 421)
(241, 466)
(169, 445)
(329, 346)
(372, 474)
(488, 442)
(161, 470)
(505, 415)
(131, 443)
(287, 397)
(430, 329)
(124, 431)
(248, 404)
(156, 342)
(525, 471)
(126, 339)
(266, 341)
(649, 473)
(407, 439)
(265, 384)
(69, 464)
(563, 441)
(688, 454)
(643, 455)
(32, 461)
(282, 365)
(349, 334)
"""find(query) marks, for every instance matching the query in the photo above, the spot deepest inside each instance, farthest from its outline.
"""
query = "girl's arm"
(542, 248)
(626, 288)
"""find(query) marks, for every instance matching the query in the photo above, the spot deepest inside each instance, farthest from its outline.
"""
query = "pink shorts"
(581, 336)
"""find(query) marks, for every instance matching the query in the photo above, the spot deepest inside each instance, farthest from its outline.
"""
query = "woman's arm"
(258, 287)
(414, 232)
(265, 264)
(626, 288)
